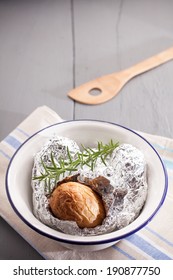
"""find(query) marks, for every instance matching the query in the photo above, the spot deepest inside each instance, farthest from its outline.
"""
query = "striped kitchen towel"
(154, 241)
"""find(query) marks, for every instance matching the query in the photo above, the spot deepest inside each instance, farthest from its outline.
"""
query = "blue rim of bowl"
(95, 242)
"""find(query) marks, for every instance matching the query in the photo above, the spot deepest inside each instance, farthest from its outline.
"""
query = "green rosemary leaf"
(69, 155)
(39, 177)
(71, 169)
(49, 168)
(87, 157)
(103, 160)
(92, 165)
(52, 160)
(91, 150)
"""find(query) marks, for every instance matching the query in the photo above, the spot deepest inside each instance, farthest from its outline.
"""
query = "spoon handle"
(148, 64)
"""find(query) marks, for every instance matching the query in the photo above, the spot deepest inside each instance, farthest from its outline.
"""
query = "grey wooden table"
(49, 47)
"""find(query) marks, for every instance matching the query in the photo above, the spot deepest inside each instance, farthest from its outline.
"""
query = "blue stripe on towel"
(5, 155)
(158, 146)
(146, 247)
(168, 163)
(23, 132)
(159, 236)
(123, 252)
(12, 142)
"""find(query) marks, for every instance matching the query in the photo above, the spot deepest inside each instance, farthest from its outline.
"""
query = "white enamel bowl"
(87, 132)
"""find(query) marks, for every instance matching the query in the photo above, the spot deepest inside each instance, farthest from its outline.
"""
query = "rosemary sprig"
(87, 157)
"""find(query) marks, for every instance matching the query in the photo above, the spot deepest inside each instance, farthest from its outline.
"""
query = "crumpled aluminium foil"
(123, 199)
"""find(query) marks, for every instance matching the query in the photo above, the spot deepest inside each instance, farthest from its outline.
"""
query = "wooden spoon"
(109, 86)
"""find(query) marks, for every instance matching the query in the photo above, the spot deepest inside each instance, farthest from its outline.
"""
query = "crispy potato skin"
(77, 202)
